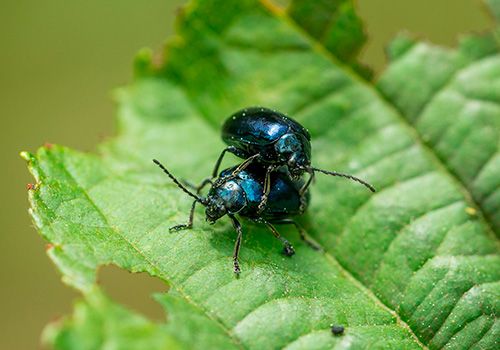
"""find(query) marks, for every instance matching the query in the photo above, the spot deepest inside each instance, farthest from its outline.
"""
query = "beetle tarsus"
(237, 269)
(189, 224)
(180, 227)
(262, 204)
(303, 235)
(288, 249)
(237, 244)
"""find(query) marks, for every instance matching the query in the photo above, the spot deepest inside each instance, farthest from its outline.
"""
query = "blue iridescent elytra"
(272, 135)
(242, 194)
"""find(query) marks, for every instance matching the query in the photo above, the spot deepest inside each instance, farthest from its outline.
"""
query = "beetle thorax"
(294, 151)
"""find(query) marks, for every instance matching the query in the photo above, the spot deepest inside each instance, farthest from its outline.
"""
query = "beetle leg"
(303, 235)
(243, 165)
(199, 187)
(267, 189)
(237, 244)
(208, 180)
(236, 171)
(287, 246)
(303, 191)
(230, 149)
(306, 185)
(189, 223)
(203, 184)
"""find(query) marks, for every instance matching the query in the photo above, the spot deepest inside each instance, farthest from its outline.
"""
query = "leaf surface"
(98, 323)
(414, 265)
(335, 25)
(452, 99)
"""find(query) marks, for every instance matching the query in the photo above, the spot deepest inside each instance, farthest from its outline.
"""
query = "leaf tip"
(143, 61)
(27, 156)
(32, 163)
(148, 62)
(399, 46)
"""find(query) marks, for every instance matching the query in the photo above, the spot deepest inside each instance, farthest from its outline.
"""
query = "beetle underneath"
(240, 193)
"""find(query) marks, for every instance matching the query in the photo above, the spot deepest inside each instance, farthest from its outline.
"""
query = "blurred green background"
(58, 63)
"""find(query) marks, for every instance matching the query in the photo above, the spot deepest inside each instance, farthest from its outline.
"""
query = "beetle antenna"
(350, 177)
(180, 185)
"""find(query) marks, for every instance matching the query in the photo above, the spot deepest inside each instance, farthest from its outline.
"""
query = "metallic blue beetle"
(240, 193)
(268, 137)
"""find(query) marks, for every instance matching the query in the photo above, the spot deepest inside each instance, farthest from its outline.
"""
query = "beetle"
(240, 193)
(270, 138)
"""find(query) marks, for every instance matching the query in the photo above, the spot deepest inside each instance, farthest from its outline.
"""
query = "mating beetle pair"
(266, 187)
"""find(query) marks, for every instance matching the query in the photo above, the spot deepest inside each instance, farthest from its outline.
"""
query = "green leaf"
(495, 8)
(452, 99)
(415, 265)
(98, 323)
(335, 25)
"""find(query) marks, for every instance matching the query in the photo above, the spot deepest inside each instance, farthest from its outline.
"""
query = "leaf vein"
(407, 225)
(464, 294)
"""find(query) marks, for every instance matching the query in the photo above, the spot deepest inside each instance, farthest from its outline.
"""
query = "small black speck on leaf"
(337, 330)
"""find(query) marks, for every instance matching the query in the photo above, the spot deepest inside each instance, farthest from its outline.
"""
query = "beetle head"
(295, 151)
(215, 209)
(225, 197)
